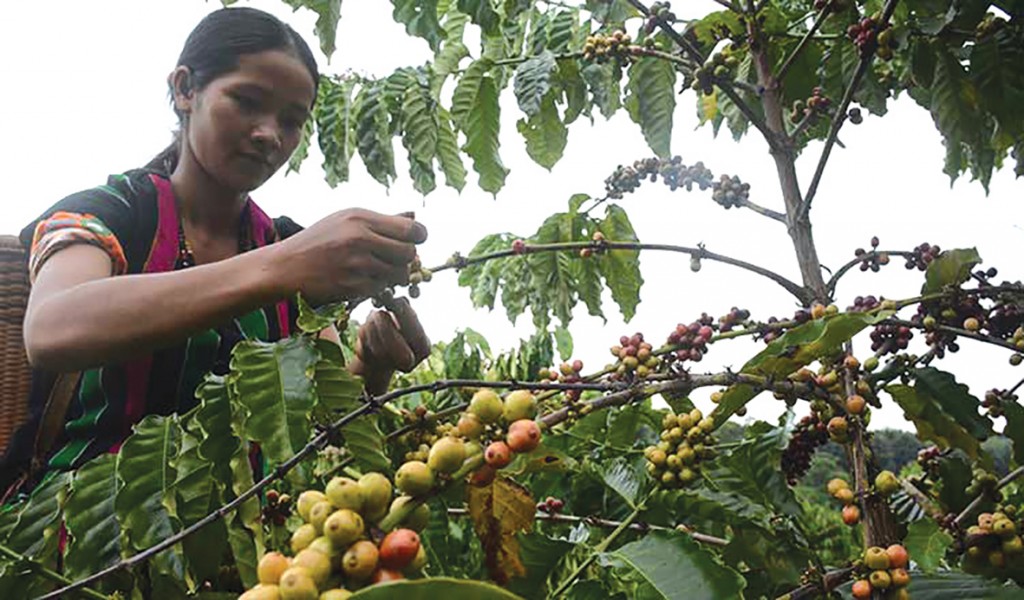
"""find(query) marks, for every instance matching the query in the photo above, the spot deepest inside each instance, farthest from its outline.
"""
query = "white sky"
(84, 96)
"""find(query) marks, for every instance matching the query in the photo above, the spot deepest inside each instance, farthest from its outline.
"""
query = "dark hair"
(214, 47)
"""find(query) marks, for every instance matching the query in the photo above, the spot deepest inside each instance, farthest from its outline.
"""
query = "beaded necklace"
(187, 258)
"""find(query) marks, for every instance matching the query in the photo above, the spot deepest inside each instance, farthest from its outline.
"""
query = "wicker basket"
(15, 375)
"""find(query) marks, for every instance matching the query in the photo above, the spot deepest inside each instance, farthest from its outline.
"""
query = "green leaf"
(482, 126)
(652, 100)
(533, 80)
(433, 588)
(540, 555)
(448, 152)
(145, 502)
(315, 320)
(671, 563)
(734, 398)
(951, 268)
(214, 418)
(927, 543)
(38, 518)
(611, 11)
(955, 475)
(466, 91)
(302, 150)
(603, 84)
(955, 400)
(482, 13)
(774, 562)
(420, 20)
(563, 339)
(931, 419)
(341, 392)
(273, 383)
(373, 134)
(1014, 429)
(623, 478)
(94, 533)
(335, 116)
(447, 60)
(752, 470)
(420, 133)
(197, 495)
(563, 30)
(546, 135)
(328, 14)
(621, 268)
(245, 528)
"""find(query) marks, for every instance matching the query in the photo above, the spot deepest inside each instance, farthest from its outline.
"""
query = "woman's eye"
(246, 102)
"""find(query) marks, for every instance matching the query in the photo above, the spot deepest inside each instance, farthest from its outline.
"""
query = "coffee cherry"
(498, 455)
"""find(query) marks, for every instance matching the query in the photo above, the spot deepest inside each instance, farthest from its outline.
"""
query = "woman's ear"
(180, 81)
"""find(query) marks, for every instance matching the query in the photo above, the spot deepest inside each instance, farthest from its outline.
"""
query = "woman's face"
(244, 125)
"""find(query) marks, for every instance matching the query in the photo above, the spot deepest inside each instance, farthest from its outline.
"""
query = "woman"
(146, 283)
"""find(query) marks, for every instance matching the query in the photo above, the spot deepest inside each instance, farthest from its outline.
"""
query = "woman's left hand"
(386, 342)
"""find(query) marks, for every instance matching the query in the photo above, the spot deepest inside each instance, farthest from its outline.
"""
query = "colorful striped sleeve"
(63, 229)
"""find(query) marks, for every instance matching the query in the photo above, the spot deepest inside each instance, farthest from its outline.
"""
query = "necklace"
(187, 258)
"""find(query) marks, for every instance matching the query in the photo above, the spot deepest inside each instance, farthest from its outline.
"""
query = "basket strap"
(52, 422)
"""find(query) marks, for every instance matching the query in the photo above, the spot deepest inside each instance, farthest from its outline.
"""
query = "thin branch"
(840, 117)
(598, 246)
(958, 332)
(831, 581)
(1005, 481)
(831, 285)
(599, 549)
(48, 574)
(1015, 388)
(822, 14)
(766, 212)
(608, 524)
(696, 55)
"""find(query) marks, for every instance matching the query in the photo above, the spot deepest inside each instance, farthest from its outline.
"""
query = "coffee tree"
(492, 475)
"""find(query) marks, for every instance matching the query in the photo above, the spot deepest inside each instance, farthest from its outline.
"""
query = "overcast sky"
(84, 96)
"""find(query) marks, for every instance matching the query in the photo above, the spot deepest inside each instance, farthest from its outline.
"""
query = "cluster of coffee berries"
(994, 546)
(276, 508)
(601, 48)
(984, 483)
(818, 103)
(730, 191)
(588, 252)
(809, 435)
(886, 570)
(339, 548)
(659, 11)
(922, 256)
(635, 356)
(838, 429)
(1006, 321)
(735, 317)
(863, 304)
(928, 458)
(863, 34)
(873, 260)
(568, 372)
(674, 174)
(691, 341)
(840, 490)
(418, 274)
(498, 427)
(550, 505)
(995, 401)
(889, 338)
(686, 442)
(886, 44)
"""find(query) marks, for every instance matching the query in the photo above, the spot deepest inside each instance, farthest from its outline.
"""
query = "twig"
(598, 246)
(696, 55)
(840, 117)
(46, 573)
(600, 548)
(1005, 481)
(767, 212)
(1015, 388)
(822, 14)
(832, 580)
(831, 285)
(959, 332)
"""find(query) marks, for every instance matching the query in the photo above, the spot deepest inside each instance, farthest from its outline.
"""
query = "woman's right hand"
(350, 254)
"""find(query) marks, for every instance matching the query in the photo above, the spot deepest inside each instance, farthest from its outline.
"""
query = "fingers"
(401, 228)
(390, 250)
(412, 329)
(382, 343)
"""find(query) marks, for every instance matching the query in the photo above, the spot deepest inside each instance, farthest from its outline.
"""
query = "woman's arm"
(80, 317)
